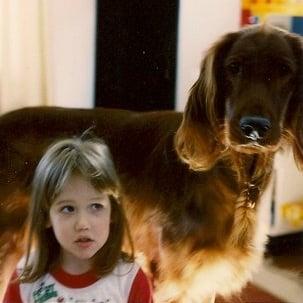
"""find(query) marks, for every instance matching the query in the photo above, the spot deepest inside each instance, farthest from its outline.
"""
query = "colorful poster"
(287, 14)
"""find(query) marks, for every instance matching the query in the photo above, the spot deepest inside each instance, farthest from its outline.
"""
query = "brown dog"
(192, 182)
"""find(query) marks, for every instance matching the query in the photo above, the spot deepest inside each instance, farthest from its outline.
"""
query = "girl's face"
(80, 218)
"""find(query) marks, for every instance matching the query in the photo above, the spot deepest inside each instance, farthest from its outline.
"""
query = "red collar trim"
(74, 281)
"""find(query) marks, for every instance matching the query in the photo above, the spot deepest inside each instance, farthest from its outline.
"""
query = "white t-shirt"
(126, 284)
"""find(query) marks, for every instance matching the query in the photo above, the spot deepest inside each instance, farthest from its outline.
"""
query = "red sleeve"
(12, 294)
(141, 289)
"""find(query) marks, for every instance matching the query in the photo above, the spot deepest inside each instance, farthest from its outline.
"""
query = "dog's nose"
(254, 127)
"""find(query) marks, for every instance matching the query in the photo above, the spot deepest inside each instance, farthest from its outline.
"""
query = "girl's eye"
(96, 206)
(67, 209)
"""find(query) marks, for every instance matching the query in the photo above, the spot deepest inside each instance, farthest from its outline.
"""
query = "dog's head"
(248, 97)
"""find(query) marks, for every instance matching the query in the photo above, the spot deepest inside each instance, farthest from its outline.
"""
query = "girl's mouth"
(84, 242)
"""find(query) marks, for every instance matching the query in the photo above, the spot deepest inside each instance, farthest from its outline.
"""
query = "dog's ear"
(199, 139)
(294, 114)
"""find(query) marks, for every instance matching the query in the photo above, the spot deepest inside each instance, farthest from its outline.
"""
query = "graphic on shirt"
(44, 292)
(62, 300)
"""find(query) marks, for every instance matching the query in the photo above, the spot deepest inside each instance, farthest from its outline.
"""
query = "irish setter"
(192, 182)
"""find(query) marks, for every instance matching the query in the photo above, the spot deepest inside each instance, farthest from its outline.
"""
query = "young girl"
(76, 230)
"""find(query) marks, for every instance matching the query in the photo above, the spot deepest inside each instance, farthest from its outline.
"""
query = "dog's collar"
(253, 181)
(251, 194)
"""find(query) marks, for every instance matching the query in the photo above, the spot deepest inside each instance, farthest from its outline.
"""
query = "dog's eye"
(285, 69)
(234, 68)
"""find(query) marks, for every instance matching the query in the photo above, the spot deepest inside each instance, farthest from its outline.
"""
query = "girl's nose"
(82, 222)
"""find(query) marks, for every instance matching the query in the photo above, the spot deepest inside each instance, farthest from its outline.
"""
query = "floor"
(282, 276)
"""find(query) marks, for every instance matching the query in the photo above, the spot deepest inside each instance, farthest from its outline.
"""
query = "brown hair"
(90, 158)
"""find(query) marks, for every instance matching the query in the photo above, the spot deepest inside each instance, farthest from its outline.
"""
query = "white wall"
(71, 47)
(201, 22)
